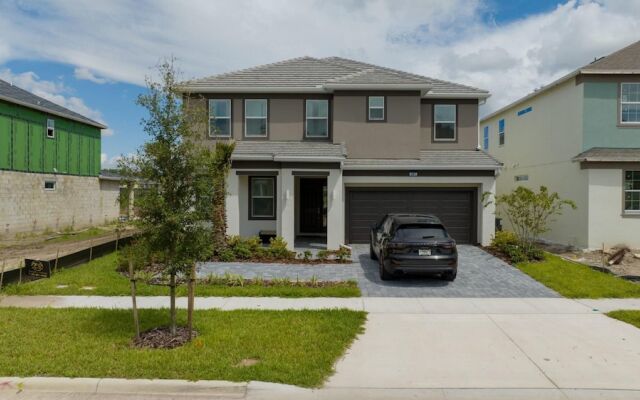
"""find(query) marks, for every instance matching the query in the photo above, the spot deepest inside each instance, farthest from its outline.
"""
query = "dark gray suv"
(413, 243)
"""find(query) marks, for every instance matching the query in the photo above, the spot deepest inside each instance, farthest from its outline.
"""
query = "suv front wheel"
(384, 274)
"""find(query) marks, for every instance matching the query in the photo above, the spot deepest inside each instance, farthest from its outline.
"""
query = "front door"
(313, 205)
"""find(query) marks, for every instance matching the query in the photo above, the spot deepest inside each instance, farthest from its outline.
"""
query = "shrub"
(226, 255)
(278, 248)
(343, 254)
(510, 245)
(322, 255)
(307, 255)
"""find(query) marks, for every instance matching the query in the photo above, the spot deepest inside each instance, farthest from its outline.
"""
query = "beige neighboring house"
(327, 146)
(580, 137)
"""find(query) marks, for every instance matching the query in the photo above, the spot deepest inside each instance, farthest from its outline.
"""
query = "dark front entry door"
(313, 205)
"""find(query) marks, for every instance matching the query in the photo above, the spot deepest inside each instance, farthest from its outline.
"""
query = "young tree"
(530, 213)
(170, 213)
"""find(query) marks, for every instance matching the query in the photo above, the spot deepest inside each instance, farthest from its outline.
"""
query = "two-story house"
(50, 167)
(325, 147)
(580, 137)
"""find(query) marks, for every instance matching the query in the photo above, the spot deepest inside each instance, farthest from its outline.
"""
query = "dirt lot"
(13, 251)
(629, 266)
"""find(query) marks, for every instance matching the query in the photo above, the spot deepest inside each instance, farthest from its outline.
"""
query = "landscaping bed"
(100, 277)
(628, 267)
(291, 347)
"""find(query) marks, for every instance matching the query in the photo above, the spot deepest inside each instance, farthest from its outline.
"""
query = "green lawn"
(578, 281)
(101, 274)
(293, 347)
(629, 316)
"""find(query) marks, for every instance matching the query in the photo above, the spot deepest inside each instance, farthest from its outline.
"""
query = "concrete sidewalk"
(393, 305)
(144, 389)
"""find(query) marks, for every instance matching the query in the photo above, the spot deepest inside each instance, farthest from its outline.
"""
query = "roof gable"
(625, 60)
(16, 95)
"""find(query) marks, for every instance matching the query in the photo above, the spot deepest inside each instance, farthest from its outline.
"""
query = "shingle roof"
(609, 154)
(432, 159)
(319, 74)
(624, 60)
(14, 94)
(287, 150)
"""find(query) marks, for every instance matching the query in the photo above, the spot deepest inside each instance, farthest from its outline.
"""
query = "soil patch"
(161, 338)
(629, 266)
(247, 362)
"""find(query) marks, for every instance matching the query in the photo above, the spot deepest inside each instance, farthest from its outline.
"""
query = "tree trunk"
(134, 306)
(172, 295)
(192, 283)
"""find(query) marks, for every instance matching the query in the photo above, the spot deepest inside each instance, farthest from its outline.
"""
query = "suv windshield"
(419, 232)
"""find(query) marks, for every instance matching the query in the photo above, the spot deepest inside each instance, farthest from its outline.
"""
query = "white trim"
(454, 122)
(306, 118)
(214, 118)
(625, 191)
(266, 119)
(620, 103)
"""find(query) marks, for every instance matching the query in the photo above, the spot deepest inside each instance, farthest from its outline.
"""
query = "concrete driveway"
(480, 275)
(566, 347)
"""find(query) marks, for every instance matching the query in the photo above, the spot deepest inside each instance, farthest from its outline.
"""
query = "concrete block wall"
(77, 201)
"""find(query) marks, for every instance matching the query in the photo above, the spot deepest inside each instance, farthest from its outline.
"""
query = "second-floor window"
(376, 108)
(630, 103)
(51, 128)
(485, 138)
(316, 123)
(255, 118)
(501, 132)
(632, 191)
(444, 122)
(220, 117)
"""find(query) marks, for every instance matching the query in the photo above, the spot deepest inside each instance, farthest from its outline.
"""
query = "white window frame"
(627, 102)
(53, 189)
(625, 191)
(253, 196)
(212, 134)
(454, 122)
(52, 127)
(266, 119)
(383, 108)
(307, 118)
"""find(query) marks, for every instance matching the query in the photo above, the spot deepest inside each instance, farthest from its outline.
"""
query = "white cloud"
(120, 40)
(55, 92)
(86, 74)
(109, 162)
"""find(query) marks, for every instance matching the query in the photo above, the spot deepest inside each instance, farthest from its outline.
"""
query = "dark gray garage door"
(455, 207)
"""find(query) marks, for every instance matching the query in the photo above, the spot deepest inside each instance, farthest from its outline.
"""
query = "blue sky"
(93, 56)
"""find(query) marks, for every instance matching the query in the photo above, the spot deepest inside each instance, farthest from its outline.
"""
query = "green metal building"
(39, 136)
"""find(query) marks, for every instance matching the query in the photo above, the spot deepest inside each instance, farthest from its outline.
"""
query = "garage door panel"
(367, 206)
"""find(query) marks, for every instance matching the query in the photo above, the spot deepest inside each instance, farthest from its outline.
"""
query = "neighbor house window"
(632, 191)
(51, 128)
(255, 118)
(501, 132)
(485, 138)
(316, 119)
(262, 202)
(444, 122)
(220, 117)
(49, 185)
(376, 108)
(630, 103)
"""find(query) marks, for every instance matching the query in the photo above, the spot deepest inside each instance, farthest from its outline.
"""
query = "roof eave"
(250, 89)
(414, 167)
(423, 88)
(49, 111)
(610, 72)
(479, 96)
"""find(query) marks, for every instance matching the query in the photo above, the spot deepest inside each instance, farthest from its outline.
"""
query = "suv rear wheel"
(384, 274)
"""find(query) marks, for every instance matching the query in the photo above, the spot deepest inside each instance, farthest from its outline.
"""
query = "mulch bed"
(161, 338)
(494, 252)
(300, 261)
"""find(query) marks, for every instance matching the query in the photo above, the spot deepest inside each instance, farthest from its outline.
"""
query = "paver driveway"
(479, 275)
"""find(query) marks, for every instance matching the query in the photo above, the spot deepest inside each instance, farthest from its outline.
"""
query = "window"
(485, 138)
(375, 108)
(632, 191)
(444, 122)
(262, 197)
(501, 132)
(49, 185)
(51, 128)
(220, 117)
(630, 103)
(520, 178)
(316, 119)
(255, 118)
